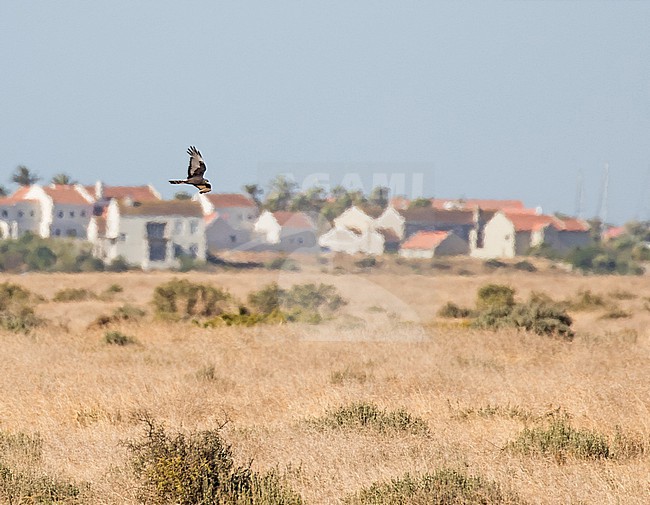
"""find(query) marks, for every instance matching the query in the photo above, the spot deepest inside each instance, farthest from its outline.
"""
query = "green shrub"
(495, 296)
(370, 416)
(494, 263)
(114, 288)
(181, 299)
(367, 262)
(451, 310)
(525, 266)
(73, 295)
(282, 263)
(118, 338)
(198, 468)
(16, 313)
(119, 264)
(442, 487)
(244, 318)
(125, 313)
(268, 299)
(616, 313)
(561, 440)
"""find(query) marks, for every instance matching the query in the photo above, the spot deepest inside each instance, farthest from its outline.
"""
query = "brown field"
(81, 394)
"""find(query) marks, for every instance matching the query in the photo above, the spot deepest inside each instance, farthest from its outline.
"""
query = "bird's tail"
(177, 182)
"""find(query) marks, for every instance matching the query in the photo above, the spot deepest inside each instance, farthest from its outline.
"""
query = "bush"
(16, 313)
(125, 313)
(22, 480)
(117, 338)
(494, 263)
(367, 262)
(442, 487)
(451, 310)
(561, 440)
(198, 468)
(282, 263)
(495, 296)
(119, 264)
(268, 299)
(497, 309)
(73, 295)
(368, 415)
(525, 266)
(181, 299)
(586, 300)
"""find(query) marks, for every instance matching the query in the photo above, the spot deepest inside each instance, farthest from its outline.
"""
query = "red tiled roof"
(615, 232)
(135, 193)
(529, 222)
(17, 196)
(425, 240)
(64, 194)
(573, 224)
(471, 203)
(439, 216)
(221, 200)
(293, 219)
(185, 208)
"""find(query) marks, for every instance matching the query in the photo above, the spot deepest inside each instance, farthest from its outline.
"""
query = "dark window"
(31, 213)
(194, 250)
(57, 232)
(21, 213)
(5, 213)
(83, 213)
(60, 213)
(71, 232)
(157, 241)
(72, 213)
(233, 238)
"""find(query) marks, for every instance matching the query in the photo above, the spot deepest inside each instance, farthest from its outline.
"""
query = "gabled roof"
(438, 216)
(573, 224)
(65, 194)
(16, 196)
(472, 203)
(389, 235)
(529, 222)
(186, 208)
(293, 219)
(613, 232)
(223, 200)
(425, 240)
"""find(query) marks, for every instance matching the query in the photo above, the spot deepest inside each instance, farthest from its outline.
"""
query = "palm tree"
(24, 176)
(63, 179)
(255, 192)
(3, 191)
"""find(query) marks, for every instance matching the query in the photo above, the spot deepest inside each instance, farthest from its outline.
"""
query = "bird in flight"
(195, 172)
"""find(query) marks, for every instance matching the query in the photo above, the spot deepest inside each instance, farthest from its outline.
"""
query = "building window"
(21, 213)
(194, 250)
(71, 232)
(72, 213)
(233, 238)
(83, 213)
(60, 214)
(300, 240)
(178, 227)
(194, 227)
(5, 213)
(31, 213)
(57, 232)
(122, 237)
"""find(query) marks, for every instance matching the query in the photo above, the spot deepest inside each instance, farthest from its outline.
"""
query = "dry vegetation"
(543, 419)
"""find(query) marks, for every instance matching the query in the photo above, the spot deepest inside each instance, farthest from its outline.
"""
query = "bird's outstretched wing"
(197, 166)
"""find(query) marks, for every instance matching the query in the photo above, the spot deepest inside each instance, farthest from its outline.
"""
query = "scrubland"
(484, 403)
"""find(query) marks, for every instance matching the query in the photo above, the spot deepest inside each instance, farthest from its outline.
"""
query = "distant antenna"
(580, 196)
(602, 200)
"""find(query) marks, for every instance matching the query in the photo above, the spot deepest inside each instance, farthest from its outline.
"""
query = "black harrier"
(195, 172)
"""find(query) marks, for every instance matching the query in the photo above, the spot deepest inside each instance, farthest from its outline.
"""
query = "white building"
(284, 231)
(151, 235)
(230, 218)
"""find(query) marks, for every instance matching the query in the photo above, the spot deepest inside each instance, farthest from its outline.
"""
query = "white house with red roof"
(151, 235)
(284, 231)
(427, 244)
(49, 211)
(229, 217)
(512, 233)
(355, 231)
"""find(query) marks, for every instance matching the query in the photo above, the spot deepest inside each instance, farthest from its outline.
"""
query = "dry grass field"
(475, 389)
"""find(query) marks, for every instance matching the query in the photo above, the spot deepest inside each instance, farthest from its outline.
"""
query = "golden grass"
(82, 395)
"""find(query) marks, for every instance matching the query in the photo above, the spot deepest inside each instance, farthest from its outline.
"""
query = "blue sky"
(485, 99)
